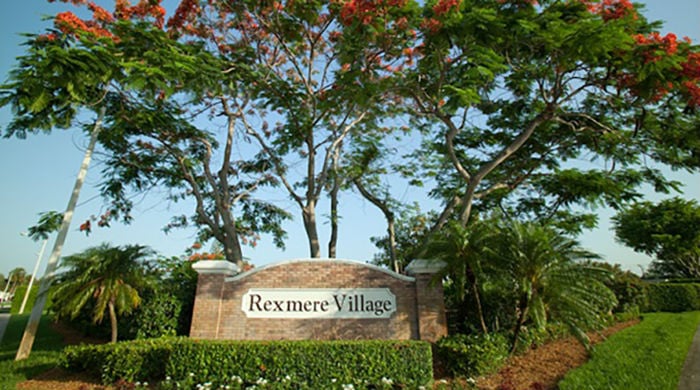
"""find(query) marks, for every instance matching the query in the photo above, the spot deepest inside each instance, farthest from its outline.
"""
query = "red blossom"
(653, 44)
(366, 11)
(47, 37)
(68, 23)
(611, 9)
(183, 14)
(432, 25)
(85, 227)
(445, 6)
(100, 14)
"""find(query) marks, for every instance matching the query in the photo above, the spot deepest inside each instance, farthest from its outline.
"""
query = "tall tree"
(514, 91)
(110, 278)
(668, 230)
(310, 90)
(145, 80)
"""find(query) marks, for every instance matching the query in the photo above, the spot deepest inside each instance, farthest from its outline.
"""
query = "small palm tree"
(462, 250)
(109, 277)
(550, 281)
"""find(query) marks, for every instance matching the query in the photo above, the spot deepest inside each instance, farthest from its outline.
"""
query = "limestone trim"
(215, 267)
(322, 260)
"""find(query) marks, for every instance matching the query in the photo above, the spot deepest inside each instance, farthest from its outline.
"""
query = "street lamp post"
(31, 280)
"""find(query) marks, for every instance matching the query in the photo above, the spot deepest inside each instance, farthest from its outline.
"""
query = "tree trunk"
(519, 325)
(477, 299)
(388, 215)
(309, 215)
(113, 321)
(333, 241)
(25, 346)
(232, 248)
(392, 242)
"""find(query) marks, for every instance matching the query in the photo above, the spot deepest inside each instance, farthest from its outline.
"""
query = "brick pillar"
(208, 298)
(430, 301)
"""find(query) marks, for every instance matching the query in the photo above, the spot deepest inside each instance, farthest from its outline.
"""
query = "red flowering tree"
(311, 89)
(223, 98)
(514, 91)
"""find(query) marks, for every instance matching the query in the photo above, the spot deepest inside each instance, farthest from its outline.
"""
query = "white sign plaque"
(319, 303)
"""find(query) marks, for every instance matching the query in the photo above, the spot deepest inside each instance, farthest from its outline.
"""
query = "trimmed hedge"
(473, 355)
(673, 297)
(305, 364)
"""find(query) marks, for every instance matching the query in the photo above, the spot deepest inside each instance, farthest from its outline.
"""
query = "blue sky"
(38, 175)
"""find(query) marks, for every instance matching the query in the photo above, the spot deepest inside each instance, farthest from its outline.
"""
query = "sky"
(38, 174)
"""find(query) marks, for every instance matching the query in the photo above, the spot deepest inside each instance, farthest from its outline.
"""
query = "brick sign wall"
(316, 299)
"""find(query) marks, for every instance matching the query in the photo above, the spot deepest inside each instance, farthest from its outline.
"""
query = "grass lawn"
(647, 356)
(47, 348)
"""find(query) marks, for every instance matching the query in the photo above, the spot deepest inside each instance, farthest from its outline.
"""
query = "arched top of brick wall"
(349, 263)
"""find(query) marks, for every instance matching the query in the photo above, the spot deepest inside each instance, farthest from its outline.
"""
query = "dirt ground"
(540, 368)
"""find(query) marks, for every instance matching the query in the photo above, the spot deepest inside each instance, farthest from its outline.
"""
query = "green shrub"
(473, 355)
(306, 364)
(673, 297)
(131, 361)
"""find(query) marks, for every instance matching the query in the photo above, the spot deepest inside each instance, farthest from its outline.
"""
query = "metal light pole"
(31, 280)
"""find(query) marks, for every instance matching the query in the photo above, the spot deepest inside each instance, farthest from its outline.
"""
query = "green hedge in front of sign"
(240, 364)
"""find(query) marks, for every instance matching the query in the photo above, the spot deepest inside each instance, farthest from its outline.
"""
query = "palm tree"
(108, 277)
(462, 249)
(550, 282)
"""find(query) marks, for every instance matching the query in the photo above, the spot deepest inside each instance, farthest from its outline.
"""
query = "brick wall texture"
(217, 313)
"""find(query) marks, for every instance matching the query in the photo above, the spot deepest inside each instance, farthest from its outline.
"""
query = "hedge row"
(305, 364)
(673, 297)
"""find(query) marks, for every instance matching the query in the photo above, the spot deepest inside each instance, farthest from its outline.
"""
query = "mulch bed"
(543, 367)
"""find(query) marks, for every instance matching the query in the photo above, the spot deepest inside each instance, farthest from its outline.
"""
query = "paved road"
(4, 319)
(690, 375)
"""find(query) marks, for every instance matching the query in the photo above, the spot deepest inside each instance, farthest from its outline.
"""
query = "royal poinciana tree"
(516, 96)
(224, 98)
(310, 89)
(231, 97)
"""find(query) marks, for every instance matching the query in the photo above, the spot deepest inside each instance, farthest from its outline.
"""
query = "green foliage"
(673, 297)
(646, 356)
(669, 230)
(308, 364)
(158, 317)
(550, 281)
(630, 290)
(49, 222)
(108, 278)
(472, 355)
(166, 308)
(130, 361)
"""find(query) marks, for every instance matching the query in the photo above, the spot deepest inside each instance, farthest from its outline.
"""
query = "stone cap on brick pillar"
(215, 267)
(422, 266)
